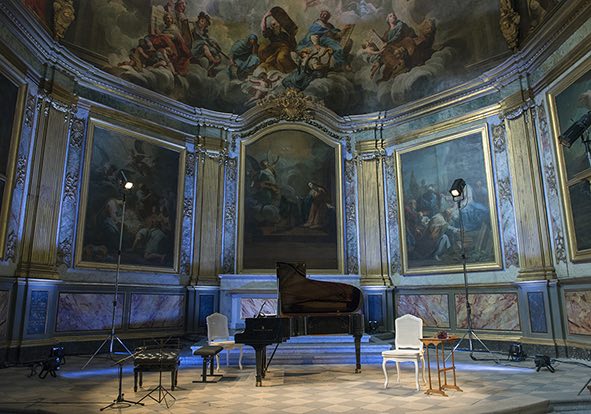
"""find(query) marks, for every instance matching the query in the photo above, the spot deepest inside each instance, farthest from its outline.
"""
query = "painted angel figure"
(261, 85)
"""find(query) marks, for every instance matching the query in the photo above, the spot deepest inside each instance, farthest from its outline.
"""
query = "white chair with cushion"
(218, 335)
(409, 348)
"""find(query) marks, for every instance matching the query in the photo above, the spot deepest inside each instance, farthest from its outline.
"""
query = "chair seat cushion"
(208, 350)
(401, 353)
(156, 359)
(225, 344)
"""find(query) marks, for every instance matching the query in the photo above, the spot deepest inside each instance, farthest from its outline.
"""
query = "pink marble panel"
(432, 309)
(495, 311)
(156, 311)
(578, 312)
(87, 311)
(250, 307)
(3, 312)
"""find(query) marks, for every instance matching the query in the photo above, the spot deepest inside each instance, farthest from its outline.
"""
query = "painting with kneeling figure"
(150, 226)
(431, 239)
(290, 201)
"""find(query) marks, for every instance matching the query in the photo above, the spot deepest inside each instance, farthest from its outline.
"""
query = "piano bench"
(155, 361)
(208, 353)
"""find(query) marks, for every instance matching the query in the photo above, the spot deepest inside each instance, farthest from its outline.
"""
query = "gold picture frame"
(573, 168)
(428, 236)
(288, 143)
(150, 205)
(16, 129)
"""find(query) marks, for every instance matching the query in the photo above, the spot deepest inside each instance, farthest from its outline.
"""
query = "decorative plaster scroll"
(230, 222)
(30, 110)
(509, 22)
(77, 133)
(392, 216)
(71, 187)
(292, 105)
(10, 253)
(190, 164)
(505, 196)
(21, 171)
(551, 182)
(188, 207)
(64, 252)
(187, 229)
(63, 16)
(351, 244)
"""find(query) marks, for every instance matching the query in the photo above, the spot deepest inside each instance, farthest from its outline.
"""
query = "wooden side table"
(440, 344)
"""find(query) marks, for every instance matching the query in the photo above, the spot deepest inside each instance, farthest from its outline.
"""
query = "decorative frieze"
(21, 171)
(71, 187)
(30, 110)
(352, 263)
(77, 130)
(64, 252)
(10, 246)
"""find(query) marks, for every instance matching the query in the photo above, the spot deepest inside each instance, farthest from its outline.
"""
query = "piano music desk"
(440, 344)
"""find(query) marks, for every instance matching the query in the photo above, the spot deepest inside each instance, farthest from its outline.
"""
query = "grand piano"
(306, 307)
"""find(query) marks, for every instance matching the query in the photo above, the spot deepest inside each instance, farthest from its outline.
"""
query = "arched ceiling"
(360, 60)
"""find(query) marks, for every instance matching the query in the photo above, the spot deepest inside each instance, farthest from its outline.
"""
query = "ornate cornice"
(291, 105)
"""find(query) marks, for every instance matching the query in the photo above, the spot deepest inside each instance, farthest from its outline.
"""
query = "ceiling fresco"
(356, 56)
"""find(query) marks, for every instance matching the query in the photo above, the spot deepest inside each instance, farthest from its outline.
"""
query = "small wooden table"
(440, 344)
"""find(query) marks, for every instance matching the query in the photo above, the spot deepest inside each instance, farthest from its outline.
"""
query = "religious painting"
(431, 224)
(290, 193)
(11, 106)
(150, 227)
(570, 106)
(43, 9)
(356, 56)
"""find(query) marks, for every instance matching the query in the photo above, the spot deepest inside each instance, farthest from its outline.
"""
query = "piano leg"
(357, 353)
(259, 352)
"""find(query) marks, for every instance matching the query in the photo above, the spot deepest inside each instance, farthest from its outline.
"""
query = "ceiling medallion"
(291, 105)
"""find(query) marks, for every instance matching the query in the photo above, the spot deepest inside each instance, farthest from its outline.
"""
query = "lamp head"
(576, 130)
(128, 185)
(457, 188)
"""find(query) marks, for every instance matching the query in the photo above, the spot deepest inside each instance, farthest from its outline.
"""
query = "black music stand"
(117, 402)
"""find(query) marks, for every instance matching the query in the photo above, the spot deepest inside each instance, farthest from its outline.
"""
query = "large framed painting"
(151, 225)
(11, 114)
(290, 201)
(430, 219)
(570, 102)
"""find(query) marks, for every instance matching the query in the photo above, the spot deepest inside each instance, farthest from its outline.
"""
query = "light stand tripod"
(457, 192)
(162, 392)
(121, 402)
(112, 337)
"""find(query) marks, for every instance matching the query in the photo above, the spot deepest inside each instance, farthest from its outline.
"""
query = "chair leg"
(172, 380)
(240, 359)
(423, 364)
(134, 381)
(385, 373)
(417, 373)
(397, 372)
(217, 361)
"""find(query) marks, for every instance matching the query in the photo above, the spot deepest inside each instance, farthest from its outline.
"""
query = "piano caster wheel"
(259, 383)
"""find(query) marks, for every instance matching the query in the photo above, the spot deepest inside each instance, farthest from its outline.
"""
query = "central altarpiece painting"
(290, 193)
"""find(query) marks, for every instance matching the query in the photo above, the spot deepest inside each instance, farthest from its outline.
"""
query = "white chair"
(218, 335)
(409, 331)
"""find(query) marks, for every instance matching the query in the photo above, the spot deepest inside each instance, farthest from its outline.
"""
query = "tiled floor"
(302, 389)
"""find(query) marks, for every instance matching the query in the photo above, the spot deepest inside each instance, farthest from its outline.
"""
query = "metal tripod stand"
(470, 332)
(112, 337)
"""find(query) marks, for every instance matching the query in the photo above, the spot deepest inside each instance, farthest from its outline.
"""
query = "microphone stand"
(112, 336)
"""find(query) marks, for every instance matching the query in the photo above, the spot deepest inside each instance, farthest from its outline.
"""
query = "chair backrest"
(409, 331)
(217, 327)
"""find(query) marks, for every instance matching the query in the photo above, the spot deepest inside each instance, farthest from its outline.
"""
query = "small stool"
(208, 354)
(156, 361)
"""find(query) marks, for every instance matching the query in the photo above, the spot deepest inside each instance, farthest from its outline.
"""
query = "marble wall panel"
(4, 298)
(494, 311)
(250, 307)
(432, 309)
(537, 312)
(578, 312)
(37, 320)
(87, 311)
(206, 307)
(156, 311)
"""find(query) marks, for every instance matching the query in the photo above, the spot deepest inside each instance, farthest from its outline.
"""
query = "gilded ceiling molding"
(63, 16)
(509, 22)
(291, 105)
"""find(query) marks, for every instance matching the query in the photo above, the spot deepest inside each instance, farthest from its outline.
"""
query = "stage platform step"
(326, 349)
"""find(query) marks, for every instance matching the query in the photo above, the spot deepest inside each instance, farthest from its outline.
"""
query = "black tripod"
(112, 336)
(121, 402)
(459, 196)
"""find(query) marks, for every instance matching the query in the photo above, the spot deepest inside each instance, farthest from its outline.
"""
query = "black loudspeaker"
(542, 361)
(53, 363)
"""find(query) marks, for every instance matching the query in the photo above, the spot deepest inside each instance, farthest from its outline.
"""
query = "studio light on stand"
(125, 185)
(457, 192)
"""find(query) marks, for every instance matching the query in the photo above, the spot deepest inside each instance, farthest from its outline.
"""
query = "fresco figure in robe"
(279, 30)
(204, 46)
(328, 36)
(313, 62)
(244, 57)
